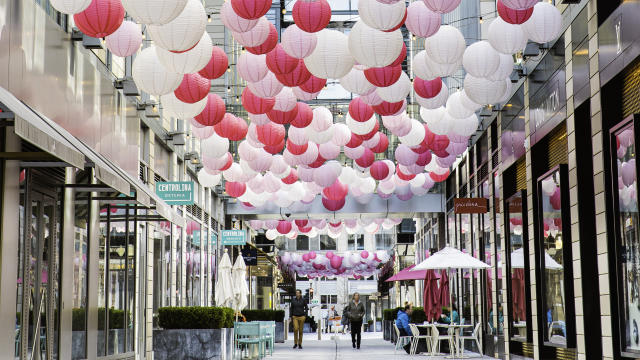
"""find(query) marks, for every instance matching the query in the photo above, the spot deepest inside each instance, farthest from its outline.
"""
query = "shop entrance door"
(40, 268)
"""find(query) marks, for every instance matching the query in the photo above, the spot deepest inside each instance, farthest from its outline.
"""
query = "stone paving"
(373, 347)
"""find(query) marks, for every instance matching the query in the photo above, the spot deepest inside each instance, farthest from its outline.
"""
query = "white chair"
(436, 338)
(400, 339)
(416, 338)
(475, 336)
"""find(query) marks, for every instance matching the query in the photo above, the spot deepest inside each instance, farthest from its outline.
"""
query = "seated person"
(402, 321)
(454, 316)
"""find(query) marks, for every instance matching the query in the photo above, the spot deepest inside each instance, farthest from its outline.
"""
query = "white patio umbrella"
(224, 286)
(450, 258)
(240, 288)
(517, 261)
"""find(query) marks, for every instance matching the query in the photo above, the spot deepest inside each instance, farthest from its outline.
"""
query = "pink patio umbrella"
(431, 295)
(407, 274)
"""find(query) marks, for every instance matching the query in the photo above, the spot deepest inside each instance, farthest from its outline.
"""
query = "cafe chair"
(416, 339)
(475, 336)
(400, 340)
(436, 338)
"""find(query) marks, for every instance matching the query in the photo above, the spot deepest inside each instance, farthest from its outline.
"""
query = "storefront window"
(81, 245)
(327, 243)
(383, 241)
(177, 238)
(355, 242)
(451, 229)
(193, 254)
(517, 248)
(205, 243)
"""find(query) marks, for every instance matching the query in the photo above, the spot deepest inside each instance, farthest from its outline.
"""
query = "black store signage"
(548, 106)
(619, 40)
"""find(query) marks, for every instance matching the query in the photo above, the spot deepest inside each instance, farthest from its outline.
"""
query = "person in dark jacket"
(356, 313)
(299, 310)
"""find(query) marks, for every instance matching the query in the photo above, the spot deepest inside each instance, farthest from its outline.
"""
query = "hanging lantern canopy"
(183, 32)
(381, 16)
(383, 76)
(545, 24)
(374, 48)
(234, 22)
(513, 16)
(70, 6)
(359, 110)
(255, 104)
(268, 87)
(480, 59)
(427, 88)
(396, 91)
(180, 110)
(483, 91)
(356, 82)
(252, 68)
(193, 88)
(151, 76)
(446, 46)
(331, 58)
(213, 112)
(311, 16)
(267, 45)
(279, 62)
(217, 65)
(519, 4)
(101, 18)
(298, 43)
(442, 6)
(421, 21)
(506, 38)
(386, 108)
(297, 77)
(251, 9)
(154, 12)
(126, 40)
(189, 61)
(436, 101)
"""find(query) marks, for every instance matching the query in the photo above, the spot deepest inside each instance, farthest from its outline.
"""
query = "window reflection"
(193, 257)
(518, 256)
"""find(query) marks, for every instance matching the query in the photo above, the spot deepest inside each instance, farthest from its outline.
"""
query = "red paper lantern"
(382, 145)
(318, 162)
(312, 16)
(291, 178)
(401, 57)
(359, 110)
(255, 104)
(336, 191)
(297, 77)
(399, 24)
(302, 222)
(420, 149)
(279, 62)
(267, 45)
(101, 19)
(556, 200)
(235, 189)
(439, 177)
(440, 153)
(366, 159)
(313, 85)
(403, 176)
(429, 136)
(427, 88)
(193, 88)
(379, 170)
(284, 227)
(333, 205)
(424, 158)
(274, 149)
(303, 117)
(296, 149)
(213, 112)
(440, 142)
(513, 16)
(271, 133)
(250, 9)
(282, 117)
(355, 141)
(217, 64)
(383, 76)
(232, 127)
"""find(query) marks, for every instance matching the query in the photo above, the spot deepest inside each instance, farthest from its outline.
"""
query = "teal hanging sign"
(233, 237)
(176, 192)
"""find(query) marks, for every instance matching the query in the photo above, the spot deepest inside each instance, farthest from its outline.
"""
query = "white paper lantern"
(232, 21)
(480, 59)
(504, 69)
(285, 100)
(446, 46)
(297, 136)
(466, 126)
(331, 58)
(189, 61)
(415, 136)
(303, 95)
(341, 134)
(215, 146)
(207, 180)
(455, 107)
(297, 43)
(251, 67)
(254, 37)
(374, 48)
(508, 87)
(268, 87)
(433, 115)
(70, 6)
(361, 128)
(126, 40)
(355, 82)
(320, 137)
(468, 103)
(483, 91)
(329, 150)
(354, 153)
(439, 123)
(154, 12)
(545, 23)
(322, 119)
(183, 32)
(381, 16)
(506, 38)
(397, 91)
(425, 68)
(436, 101)
(151, 76)
(172, 106)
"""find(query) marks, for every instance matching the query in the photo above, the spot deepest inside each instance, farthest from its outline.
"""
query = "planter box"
(387, 329)
(378, 325)
(193, 344)
(279, 332)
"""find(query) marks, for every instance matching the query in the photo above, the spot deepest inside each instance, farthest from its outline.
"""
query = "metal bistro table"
(457, 329)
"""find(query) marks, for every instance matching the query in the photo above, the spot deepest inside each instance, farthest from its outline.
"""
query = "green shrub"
(117, 319)
(418, 316)
(195, 317)
(390, 314)
(264, 315)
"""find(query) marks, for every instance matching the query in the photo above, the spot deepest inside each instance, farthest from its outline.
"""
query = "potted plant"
(370, 326)
(378, 324)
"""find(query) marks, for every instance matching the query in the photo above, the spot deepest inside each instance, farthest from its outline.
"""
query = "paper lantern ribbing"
(311, 16)
(480, 59)
(189, 61)
(506, 38)
(279, 62)
(513, 16)
(271, 134)
(235, 189)
(217, 65)
(126, 40)
(234, 22)
(483, 91)
(268, 87)
(374, 48)
(427, 88)
(359, 110)
(336, 191)
(255, 104)
(254, 37)
(267, 45)
(396, 91)
(304, 116)
(333, 205)
(297, 77)
(282, 117)
(252, 68)
(215, 146)
(421, 21)
(298, 43)
(545, 24)
(101, 18)
(70, 6)
(455, 108)
(213, 112)
(151, 76)
(379, 170)
(193, 88)
(446, 46)
(232, 127)
(436, 101)
(331, 58)
(155, 12)
(519, 4)
(172, 106)
(381, 16)
(386, 108)
(251, 9)
(207, 180)
(356, 82)
(504, 69)
(383, 76)
(183, 32)
(313, 85)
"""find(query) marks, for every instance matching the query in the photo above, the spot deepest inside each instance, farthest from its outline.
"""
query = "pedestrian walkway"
(373, 347)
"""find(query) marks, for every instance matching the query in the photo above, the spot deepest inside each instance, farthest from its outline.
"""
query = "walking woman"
(356, 313)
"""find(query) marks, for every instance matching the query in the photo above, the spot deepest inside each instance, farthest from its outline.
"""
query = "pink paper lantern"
(387, 108)
(442, 6)
(513, 16)
(296, 149)
(303, 117)
(232, 127)
(333, 205)
(359, 110)
(101, 19)
(234, 22)
(311, 16)
(628, 172)
(267, 45)
(336, 261)
(336, 191)
(427, 88)
(519, 4)
(270, 134)
(284, 227)
(126, 40)
(383, 76)
(366, 159)
(313, 85)
(421, 21)
(405, 156)
(282, 117)
(193, 88)
(251, 9)
(213, 112)
(424, 158)
(379, 170)
(382, 145)
(235, 189)
(556, 200)
(364, 254)
(354, 142)
(297, 77)
(255, 104)
(439, 177)
(274, 149)
(297, 42)
(291, 178)
(216, 66)
(279, 62)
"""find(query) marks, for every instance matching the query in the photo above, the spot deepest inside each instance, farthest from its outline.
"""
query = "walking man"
(356, 312)
(299, 310)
